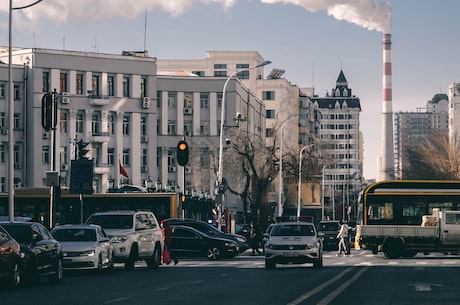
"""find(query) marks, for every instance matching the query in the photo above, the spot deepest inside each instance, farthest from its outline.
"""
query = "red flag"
(123, 171)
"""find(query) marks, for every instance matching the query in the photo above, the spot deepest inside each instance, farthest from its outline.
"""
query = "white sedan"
(84, 247)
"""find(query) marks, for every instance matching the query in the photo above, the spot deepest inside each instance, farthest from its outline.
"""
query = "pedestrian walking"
(167, 256)
(343, 243)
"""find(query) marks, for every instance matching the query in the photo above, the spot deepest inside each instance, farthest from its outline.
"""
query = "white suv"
(293, 243)
(136, 235)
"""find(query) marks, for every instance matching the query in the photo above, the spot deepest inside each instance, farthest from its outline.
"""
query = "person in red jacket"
(167, 241)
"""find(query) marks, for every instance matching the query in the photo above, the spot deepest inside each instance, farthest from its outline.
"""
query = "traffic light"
(182, 153)
(81, 149)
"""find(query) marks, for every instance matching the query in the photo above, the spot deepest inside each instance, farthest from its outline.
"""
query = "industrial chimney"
(387, 163)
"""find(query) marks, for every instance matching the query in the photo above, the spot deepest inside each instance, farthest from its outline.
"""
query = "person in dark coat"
(254, 238)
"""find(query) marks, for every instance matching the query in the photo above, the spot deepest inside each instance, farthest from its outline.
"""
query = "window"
(3, 153)
(79, 83)
(144, 156)
(79, 122)
(16, 121)
(95, 84)
(268, 95)
(269, 132)
(45, 81)
(188, 128)
(110, 85)
(2, 90)
(2, 119)
(188, 99)
(270, 114)
(17, 92)
(111, 123)
(46, 154)
(243, 74)
(171, 157)
(198, 73)
(63, 82)
(220, 73)
(204, 100)
(220, 66)
(159, 95)
(171, 127)
(126, 92)
(111, 155)
(204, 128)
(143, 126)
(63, 154)
(95, 123)
(219, 99)
(63, 121)
(144, 86)
(172, 97)
(126, 156)
(126, 125)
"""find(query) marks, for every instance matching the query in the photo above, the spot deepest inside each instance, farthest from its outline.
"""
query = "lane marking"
(341, 288)
(319, 288)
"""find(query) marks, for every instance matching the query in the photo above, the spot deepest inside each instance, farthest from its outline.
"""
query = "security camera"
(228, 141)
(239, 115)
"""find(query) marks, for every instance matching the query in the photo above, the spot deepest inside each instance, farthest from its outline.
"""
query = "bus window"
(380, 211)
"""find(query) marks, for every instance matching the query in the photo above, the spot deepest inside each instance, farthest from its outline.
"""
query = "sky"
(312, 40)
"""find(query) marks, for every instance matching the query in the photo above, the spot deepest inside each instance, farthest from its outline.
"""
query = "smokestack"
(387, 164)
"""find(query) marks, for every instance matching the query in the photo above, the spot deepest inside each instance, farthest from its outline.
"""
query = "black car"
(10, 259)
(208, 229)
(41, 253)
(329, 229)
(189, 242)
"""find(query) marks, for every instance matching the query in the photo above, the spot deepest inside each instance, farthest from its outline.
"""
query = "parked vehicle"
(210, 230)
(135, 235)
(328, 229)
(265, 236)
(439, 232)
(84, 247)
(41, 254)
(293, 243)
(189, 242)
(10, 259)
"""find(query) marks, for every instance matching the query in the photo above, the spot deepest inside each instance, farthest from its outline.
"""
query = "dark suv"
(329, 229)
(208, 230)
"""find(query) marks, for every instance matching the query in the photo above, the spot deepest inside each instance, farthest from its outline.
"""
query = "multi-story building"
(412, 128)
(343, 153)
(454, 114)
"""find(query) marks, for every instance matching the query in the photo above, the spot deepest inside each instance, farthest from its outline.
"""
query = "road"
(362, 278)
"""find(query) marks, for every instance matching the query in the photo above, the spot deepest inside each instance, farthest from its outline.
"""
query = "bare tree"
(434, 157)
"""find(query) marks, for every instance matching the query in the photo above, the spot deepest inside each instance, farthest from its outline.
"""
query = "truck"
(439, 232)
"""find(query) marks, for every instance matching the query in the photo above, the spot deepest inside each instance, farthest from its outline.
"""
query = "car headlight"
(230, 244)
(119, 239)
(311, 246)
(87, 253)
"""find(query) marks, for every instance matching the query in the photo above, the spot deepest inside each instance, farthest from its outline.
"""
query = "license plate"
(290, 253)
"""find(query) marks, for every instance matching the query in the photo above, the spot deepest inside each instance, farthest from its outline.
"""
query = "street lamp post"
(280, 172)
(11, 108)
(300, 178)
(221, 136)
(322, 189)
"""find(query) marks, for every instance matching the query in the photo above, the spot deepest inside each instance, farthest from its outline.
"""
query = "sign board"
(52, 178)
(81, 176)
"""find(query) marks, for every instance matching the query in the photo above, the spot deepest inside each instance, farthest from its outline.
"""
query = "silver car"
(84, 247)
(293, 243)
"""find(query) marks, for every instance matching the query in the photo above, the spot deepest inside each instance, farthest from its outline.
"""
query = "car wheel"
(155, 260)
(129, 265)
(319, 262)
(269, 264)
(59, 272)
(213, 254)
(15, 278)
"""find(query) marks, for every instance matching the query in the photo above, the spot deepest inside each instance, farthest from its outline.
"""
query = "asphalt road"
(362, 278)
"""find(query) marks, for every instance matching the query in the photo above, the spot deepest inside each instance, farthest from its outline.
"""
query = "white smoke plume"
(364, 13)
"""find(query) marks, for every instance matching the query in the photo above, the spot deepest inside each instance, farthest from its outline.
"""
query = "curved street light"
(300, 178)
(11, 108)
(222, 118)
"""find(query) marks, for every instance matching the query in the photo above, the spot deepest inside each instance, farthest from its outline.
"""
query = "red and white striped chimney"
(387, 163)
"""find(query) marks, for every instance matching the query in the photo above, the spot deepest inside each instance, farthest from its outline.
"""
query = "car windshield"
(22, 234)
(328, 226)
(293, 230)
(74, 235)
(112, 221)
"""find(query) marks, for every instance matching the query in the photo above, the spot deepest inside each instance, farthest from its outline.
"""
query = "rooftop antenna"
(145, 32)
